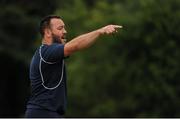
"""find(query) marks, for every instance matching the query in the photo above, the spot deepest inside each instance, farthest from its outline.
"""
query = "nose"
(64, 31)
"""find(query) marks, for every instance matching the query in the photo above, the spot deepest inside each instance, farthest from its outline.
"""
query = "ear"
(47, 32)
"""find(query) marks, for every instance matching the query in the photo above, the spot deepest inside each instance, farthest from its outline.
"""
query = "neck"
(46, 41)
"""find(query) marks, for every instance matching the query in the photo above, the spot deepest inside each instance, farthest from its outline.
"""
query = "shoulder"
(52, 47)
(52, 52)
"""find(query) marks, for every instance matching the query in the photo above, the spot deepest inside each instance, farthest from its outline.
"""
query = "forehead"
(57, 22)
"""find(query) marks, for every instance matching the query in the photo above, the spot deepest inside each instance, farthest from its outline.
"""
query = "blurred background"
(134, 73)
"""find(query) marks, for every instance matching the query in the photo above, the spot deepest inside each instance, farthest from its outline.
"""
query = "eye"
(60, 28)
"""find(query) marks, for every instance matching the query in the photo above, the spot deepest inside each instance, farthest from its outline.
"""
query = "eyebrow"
(61, 26)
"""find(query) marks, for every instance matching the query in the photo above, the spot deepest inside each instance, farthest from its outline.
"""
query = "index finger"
(118, 26)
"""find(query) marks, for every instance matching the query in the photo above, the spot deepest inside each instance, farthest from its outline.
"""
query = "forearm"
(86, 40)
(82, 41)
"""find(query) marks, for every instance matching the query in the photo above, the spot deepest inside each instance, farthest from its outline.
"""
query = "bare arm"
(86, 40)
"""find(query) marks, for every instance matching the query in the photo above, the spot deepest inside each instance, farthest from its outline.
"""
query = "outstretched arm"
(86, 40)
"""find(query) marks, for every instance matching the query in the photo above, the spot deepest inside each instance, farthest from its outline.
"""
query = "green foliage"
(130, 74)
(134, 73)
(18, 32)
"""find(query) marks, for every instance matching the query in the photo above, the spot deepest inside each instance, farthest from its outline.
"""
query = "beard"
(56, 39)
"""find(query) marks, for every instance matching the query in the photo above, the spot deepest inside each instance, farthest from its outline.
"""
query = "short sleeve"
(53, 53)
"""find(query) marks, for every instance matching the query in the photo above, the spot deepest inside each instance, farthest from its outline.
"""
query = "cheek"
(59, 32)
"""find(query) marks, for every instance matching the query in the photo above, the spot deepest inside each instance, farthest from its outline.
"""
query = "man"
(47, 69)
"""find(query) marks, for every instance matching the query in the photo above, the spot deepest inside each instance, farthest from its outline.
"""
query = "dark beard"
(56, 39)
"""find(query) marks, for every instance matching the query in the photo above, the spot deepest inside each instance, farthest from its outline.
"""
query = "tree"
(18, 35)
(131, 74)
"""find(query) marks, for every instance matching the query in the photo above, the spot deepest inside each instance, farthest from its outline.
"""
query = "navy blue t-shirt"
(44, 75)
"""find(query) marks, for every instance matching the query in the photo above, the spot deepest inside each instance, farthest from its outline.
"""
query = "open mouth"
(64, 38)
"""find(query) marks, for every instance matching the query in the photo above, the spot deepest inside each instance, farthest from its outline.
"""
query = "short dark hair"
(45, 23)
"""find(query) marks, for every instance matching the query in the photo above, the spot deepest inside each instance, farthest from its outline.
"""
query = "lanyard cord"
(41, 59)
